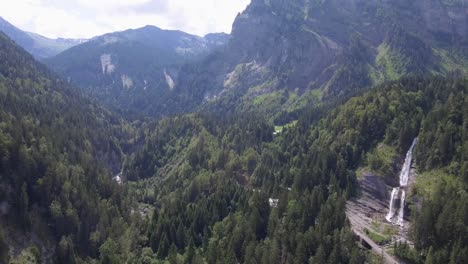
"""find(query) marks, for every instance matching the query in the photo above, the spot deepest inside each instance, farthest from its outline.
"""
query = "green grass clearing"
(377, 237)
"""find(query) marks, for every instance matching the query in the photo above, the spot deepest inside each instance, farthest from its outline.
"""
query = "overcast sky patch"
(88, 18)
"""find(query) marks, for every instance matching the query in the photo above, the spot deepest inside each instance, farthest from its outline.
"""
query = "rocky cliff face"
(273, 34)
(333, 46)
(281, 56)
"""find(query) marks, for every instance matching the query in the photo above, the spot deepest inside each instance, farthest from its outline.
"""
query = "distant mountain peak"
(135, 70)
(39, 46)
(149, 27)
(280, 56)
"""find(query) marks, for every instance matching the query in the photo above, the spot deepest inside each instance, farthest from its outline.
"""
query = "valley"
(315, 132)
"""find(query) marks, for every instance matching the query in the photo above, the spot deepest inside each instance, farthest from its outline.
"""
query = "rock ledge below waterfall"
(367, 213)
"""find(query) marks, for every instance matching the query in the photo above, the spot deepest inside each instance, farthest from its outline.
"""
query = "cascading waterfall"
(401, 212)
(399, 193)
(391, 211)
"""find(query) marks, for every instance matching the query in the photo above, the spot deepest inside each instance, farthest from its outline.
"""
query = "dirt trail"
(357, 225)
(389, 259)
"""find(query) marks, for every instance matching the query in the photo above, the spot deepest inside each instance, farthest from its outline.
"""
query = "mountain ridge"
(133, 70)
(282, 56)
(41, 47)
(306, 47)
(248, 153)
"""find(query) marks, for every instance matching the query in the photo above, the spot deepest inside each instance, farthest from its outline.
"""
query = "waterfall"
(401, 212)
(398, 193)
(404, 174)
(391, 211)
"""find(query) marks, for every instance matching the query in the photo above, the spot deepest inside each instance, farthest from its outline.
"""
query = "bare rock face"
(333, 45)
(368, 210)
(127, 82)
(106, 64)
(373, 197)
(169, 80)
(276, 37)
(375, 187)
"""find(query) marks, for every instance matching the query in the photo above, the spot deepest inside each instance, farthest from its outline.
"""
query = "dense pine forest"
(216, 189)
(250, 155)
(57, 154)
(310, 169)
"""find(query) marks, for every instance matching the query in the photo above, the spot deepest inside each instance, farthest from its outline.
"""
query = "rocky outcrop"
(338, 46)
(369, 208)
(373, 198)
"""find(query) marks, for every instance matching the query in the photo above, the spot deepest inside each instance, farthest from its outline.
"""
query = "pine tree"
(320, 256)
(163, 248)
(301, 253)
(24, 205)
(356, 257)
(4, 249)
(190, 253)
(430, 257)
(66, 253)
(172, 256)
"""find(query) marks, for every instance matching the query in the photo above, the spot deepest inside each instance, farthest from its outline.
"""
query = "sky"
(88, 18)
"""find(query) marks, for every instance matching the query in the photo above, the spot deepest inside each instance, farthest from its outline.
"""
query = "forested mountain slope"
(57, 153)
(284, 55)
(281, 56)
(133, 71)
(352, 84)
(213, 180)
(208, 188)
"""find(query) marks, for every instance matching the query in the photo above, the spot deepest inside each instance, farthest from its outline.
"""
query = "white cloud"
(87, 18)
(205, 16)
(107, 5)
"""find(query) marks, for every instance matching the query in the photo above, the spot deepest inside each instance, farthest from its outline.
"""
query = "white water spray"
(404, 174)
(398, 193)
(401, 212)
(391, 211)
